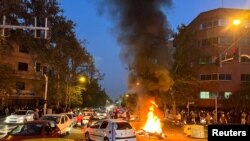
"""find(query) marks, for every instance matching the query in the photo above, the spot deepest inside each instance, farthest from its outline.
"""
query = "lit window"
(227, 95)
(204, 95)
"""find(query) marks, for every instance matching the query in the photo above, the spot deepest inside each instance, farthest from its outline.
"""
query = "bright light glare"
(82, 79)
(236, 22)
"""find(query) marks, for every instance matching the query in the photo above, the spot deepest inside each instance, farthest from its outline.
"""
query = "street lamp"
(82, 79)
(236, 23)
(45, 94)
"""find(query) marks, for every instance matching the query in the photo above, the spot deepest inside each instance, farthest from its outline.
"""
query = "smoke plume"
(142, 30)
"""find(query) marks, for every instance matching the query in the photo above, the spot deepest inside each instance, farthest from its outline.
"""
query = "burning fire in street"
(153, 123)
(153, 126)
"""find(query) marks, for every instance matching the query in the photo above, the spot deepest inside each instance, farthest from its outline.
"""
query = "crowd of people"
(209, 117)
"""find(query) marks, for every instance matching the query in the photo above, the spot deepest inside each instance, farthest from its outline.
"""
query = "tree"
(186, 84)
(93, 95)
(64, 55)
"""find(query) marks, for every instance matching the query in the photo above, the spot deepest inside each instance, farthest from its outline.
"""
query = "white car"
(72, 118)
(20, 116)
(62, 121)
(109, 130)
(100, 114)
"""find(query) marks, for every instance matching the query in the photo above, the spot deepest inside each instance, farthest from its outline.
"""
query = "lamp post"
(45, 94)
(216, 108)
(236, 23)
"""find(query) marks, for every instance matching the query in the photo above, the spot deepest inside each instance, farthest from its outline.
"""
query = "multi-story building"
(223, 37)
(28, 86)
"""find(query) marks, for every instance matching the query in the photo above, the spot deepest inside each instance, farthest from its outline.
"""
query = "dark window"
(44, 70)
(245, 77)
(20, 85)
(221, 76)
(203, 77)
(215, 23)
(228, 77)
(214, 76)
(123, 125)
(104, 125)
(22, 66)
(38, 67)
(23, 49)
(208, 77)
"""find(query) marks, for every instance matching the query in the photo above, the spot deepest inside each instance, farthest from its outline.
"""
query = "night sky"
(102, 43)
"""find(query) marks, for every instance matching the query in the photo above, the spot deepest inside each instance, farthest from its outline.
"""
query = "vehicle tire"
(87, 137)
(106, 139)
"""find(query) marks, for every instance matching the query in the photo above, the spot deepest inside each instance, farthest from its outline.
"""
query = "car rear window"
(123, 125)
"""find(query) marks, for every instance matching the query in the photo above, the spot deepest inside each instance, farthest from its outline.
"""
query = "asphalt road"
(172, 133)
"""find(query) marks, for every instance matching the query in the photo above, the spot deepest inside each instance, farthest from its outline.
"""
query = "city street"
(172, 133)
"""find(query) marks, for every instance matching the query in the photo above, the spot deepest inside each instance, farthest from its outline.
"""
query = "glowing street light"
(82, 79)
(236, 22)
(137, 83)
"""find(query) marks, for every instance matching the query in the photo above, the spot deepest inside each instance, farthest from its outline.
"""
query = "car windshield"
(53, 118)
(27, 129)
(20, 113)
(122, 126)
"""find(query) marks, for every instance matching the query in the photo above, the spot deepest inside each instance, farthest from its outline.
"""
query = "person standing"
(36, 114)
(6, 111)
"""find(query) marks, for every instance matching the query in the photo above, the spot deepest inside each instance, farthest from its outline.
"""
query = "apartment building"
(223, 37)
(29, 84)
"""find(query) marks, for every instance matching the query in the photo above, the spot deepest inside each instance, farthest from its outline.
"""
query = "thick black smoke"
(142, 29)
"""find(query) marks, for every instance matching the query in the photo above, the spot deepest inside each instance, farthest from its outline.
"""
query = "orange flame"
(153, 123)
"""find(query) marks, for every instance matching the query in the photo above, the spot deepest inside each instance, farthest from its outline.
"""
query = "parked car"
(87, 117)
(33, 129)
(73, 119)
(110, 129)
(50, 139)
(100, 114)
(20, 116)
(62, 121)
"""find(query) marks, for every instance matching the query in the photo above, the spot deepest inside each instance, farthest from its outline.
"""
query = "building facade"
(28, 86)
(223, 38)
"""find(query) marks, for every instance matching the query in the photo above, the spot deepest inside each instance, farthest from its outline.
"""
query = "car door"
(95, 133)
(63, 125)
(67, 123)
(102, 131)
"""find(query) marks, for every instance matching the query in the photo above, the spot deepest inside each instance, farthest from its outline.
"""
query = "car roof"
(38, 121)
(23, 110)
